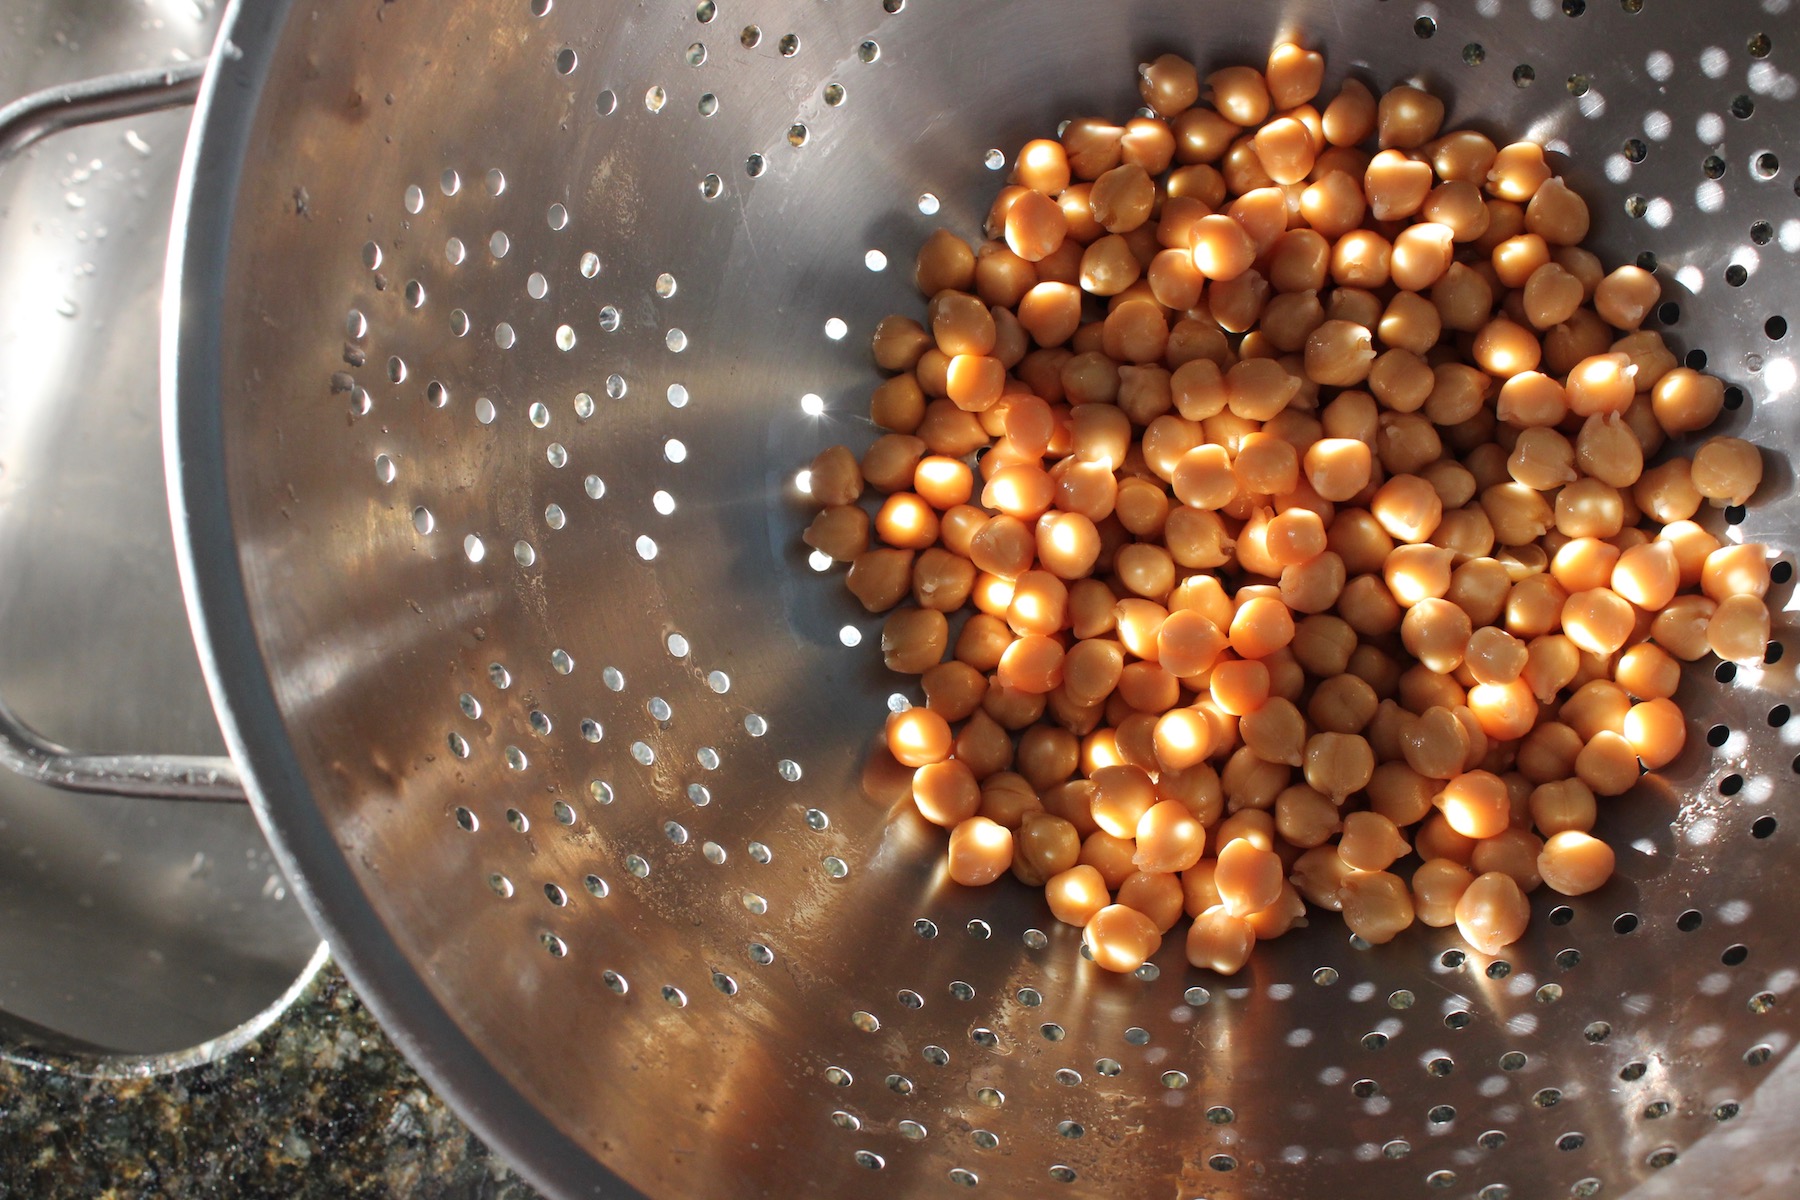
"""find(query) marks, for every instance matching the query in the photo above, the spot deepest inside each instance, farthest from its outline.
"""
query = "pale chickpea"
(1575, 863)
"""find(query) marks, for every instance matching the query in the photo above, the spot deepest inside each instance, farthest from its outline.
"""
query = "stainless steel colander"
(497, 337)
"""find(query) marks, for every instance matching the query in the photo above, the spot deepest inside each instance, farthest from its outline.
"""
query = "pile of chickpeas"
(1272, 521)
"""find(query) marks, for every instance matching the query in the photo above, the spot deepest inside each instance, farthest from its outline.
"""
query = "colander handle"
(23, 750)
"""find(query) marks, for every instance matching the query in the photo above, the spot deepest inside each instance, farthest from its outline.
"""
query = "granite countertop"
(319, 1105)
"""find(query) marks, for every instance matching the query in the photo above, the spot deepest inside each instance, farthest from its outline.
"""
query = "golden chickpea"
(1574, 863)
(1222, 249)
(946, 793)
(1376, 906)
(1122, 198)
(1492, 912)
(1351, 117)
(982, 743)
(1120, 939)
(1396, 185)
(1156, 894)
(1727, 470)
(1628, 295)
(1248, 877)
(1607, 450)
(1174, 279)
(1589, 508)
(1513, 853)
(1552, 295)
(1169, 85)
(942, 580)
(1076, 895)
(1285, 148)
(1517, 259)
(1031, 664)
(1738, 630)
(1476, 804)
(1685, 401)
(1007, 799)
(1657, 731)
(1275, 732)
(1108, 266)
(1463, 298)
(918, 737)
(1338, 354)
(1051, 312)
(1607, 764)
(1260, 627)
(1563, 805)
(1598, 620)
(1239, 94)
(1667, 492)
(1338, 764)
(1415, 573)
(1259, 388)
(953, 689)
(1219, 941)
(880, 578)
(1092, 146)
(1370, 842)
(1304, 818)
(1505, 348)
(1580, 564)
(1647, 575)
(1435, 744)
(1692, 546)
(1407, 118)
(1333, 204)
(1518, 171)
(1436, 887)
(1293, 75)
(1557, 213)
(980, 852)
(945, 262)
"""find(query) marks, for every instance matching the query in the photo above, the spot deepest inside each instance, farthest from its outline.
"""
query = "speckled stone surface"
(319, 1105)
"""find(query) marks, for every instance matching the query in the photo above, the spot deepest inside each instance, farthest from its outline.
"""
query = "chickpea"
(1156, 894)
(1492, 912)
(1066, 543)
(1738, 630)
(1222, 248)
(1396, 185)
(982, 743)
(1120, 939)
(1076, 895)
(1339, 354)
(1647, 575)
(1351, 117)
(1607, 764)
(1370, 842)
(1685, 401)
(1248, 877)
(1436, 632)
(1376, 906)
(1275, 732)
(980, 852)
(1552, 295)
(1437, 886)
(1557, 213)
(1511, 852)
(1628, 295)
(1219, 941)
(1667, 492)
(1463, 298)
(1338, 764)
(1657, 731)
(1145, 570)
(1574, 863)
(1435, 744)
(1589, 508)
(946, 793)
(1169, 85)
(1562, 805)
(1727, 470)
(1285, 148)
(1333, 204)
(1505, 348)
(1692, 546)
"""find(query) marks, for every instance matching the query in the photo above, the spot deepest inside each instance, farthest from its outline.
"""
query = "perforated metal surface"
(526, 319)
